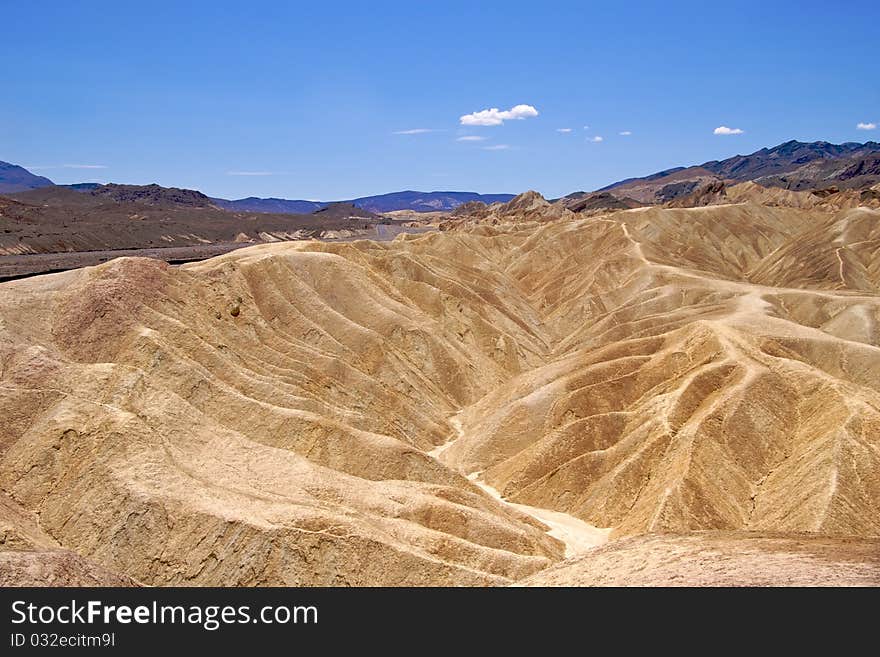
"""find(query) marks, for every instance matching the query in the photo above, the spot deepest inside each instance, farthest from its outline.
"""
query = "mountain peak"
(14, 178)
(792, 164)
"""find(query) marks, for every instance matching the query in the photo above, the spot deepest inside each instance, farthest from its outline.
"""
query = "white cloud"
(724, 130)
(586, 127)
(497, 147)
(563, 130)
(496, 116)
(471, 138)
(596, 140)
(866, 126)
(251, 173)
(413, 131)
(625, 133)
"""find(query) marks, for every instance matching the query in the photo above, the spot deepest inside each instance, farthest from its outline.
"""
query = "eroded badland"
(680, 383)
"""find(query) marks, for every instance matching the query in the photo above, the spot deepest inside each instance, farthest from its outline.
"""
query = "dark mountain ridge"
(14, 178)
(59, 219)
(791, 165)
(784, 157)
(152, 195)
(274, 205)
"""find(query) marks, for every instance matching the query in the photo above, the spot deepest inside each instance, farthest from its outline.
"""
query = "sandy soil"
(578, 536)
(722, 559)
(55, 568)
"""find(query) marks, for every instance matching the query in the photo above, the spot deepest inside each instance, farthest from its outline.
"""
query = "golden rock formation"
(650, 370)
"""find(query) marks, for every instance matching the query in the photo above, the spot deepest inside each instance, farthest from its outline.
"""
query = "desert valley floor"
(651, 396)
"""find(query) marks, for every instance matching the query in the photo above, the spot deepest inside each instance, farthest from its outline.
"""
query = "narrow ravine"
(577, 535)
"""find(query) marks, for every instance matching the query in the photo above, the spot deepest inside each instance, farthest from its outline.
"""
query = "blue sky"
(307, 99)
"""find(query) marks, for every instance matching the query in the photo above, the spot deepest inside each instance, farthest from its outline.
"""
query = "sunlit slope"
(266, 417)
(719, 558)
(154, 431)
(686, 397)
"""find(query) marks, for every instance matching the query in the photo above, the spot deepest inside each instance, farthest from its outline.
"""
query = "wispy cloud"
(471, 138)
(563, 130)
(43, 167)
(413, 131)
(866, 126)
(625, 133)
(586, 127)
(497, 147)
(495, 116)
(596, 140)
(253, 173)
(724, 130)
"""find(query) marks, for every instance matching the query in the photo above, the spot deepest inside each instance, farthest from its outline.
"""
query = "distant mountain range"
(255, 204)
(14, 179)
(792, 165)
(406, 200)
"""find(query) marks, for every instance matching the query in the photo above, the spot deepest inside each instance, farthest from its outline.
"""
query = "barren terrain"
(717, 558)
(60, 220)
(325, 413)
